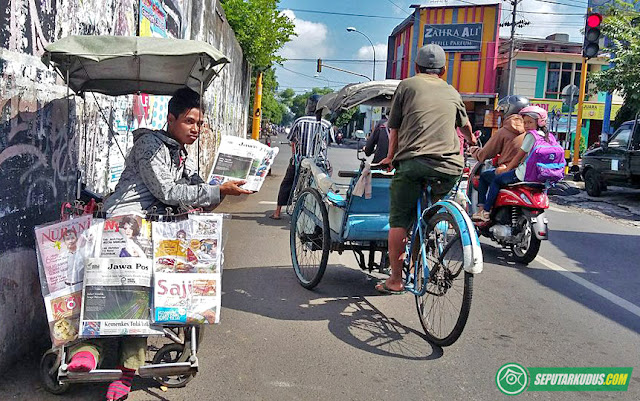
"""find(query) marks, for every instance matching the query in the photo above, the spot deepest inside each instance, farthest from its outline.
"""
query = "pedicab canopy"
(120, 65)
(374, 93)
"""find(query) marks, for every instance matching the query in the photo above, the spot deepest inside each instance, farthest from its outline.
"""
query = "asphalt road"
(578, 305)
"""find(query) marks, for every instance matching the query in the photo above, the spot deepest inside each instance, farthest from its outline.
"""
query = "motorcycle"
(517, 218)
(339, 138)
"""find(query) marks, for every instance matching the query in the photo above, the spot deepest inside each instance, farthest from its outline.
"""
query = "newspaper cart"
(114, 66)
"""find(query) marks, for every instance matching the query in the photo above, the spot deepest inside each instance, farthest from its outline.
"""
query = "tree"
(299, 103)
(622, 26)
(260, 29)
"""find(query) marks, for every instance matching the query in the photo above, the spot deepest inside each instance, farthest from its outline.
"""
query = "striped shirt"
(311, 137)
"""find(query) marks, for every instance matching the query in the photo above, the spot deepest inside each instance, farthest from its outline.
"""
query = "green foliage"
(299, 102)
(260, 28)
(346, 117)
(621, 26)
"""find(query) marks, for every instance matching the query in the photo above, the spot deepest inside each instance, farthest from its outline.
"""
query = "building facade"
(469, 36)
(542, 69)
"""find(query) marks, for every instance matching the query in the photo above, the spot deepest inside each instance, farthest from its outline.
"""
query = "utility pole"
(512, 42)
(257, 109)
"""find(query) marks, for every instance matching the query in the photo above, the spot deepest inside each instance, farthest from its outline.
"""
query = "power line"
(312, 77)
(344, 14)
(336, 60)
(564, 4)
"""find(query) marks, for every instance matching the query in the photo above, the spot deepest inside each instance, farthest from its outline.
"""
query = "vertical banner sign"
(153, 19)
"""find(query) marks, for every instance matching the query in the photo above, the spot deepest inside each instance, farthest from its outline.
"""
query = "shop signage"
(454, 37)
(590, 111)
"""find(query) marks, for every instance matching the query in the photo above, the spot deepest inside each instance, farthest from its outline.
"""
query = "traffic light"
(592, 33)
(319, 69)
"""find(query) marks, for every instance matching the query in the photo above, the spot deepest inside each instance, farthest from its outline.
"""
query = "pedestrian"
(378, 141)
(309, 137)
(423, 145)
(157, 174)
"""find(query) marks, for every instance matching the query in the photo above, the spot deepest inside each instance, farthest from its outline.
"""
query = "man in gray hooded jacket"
(157, 171)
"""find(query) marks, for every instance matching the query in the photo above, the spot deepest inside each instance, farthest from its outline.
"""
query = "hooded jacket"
(505, 142)
(158, 173)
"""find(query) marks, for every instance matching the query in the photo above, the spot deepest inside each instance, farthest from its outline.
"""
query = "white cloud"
(366, 52)
(311, 41)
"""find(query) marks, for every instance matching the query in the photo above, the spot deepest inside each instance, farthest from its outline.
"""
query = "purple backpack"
(545, 161)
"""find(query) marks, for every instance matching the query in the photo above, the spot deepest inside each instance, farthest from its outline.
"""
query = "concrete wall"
(46, 140)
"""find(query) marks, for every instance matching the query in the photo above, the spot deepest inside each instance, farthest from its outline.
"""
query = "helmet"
(512, 104)
(536, 112)
(312, 102)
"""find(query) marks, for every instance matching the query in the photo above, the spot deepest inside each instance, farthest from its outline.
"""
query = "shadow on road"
(340, 299)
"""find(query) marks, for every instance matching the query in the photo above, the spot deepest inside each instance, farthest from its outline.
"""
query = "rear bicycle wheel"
(309, 240)
(444, 307)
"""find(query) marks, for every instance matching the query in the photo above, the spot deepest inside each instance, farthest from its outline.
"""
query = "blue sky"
(325, 36)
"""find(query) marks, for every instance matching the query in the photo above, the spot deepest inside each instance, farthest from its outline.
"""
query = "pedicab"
(443, 253)
(115, 66)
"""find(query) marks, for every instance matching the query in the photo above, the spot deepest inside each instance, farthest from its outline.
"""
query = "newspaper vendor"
(157, 173)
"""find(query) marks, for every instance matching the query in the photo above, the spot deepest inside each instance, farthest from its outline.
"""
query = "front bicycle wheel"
(446, 287)
(310, 240)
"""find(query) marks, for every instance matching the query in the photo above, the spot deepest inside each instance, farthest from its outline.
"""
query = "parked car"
(614, 163)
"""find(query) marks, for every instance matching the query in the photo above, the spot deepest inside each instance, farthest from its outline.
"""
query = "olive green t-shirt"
(426, 111)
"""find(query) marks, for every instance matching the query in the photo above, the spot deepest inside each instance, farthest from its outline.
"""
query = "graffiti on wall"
(38, 160)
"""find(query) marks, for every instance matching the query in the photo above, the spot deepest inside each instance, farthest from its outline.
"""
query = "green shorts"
(406, 187)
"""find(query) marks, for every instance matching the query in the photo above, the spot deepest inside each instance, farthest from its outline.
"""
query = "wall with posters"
(46, 140)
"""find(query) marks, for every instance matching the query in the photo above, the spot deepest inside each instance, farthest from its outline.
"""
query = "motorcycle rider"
(535, 119)
(505, 142)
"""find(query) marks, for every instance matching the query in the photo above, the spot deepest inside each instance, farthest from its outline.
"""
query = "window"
(470, 57)
(560, 75)
(621, 138)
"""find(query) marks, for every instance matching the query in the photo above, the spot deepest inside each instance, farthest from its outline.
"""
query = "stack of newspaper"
(187, 263)
(117, 284)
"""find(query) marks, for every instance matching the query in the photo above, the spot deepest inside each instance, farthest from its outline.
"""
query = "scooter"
(518, 217)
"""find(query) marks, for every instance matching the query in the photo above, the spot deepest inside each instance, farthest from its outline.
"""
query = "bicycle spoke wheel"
(302, 181)
(444, 307)
(310, 240)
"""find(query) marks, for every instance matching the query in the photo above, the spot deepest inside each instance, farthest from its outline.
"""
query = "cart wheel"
(49, 365)
(171, 353)
(310, 241)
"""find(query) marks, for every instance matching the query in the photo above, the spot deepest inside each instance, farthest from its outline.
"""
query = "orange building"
(469, 36)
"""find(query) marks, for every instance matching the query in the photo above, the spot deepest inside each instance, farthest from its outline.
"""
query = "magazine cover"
(62, 248)
(189, 246)
(63, 312)
(126, 236)
(116, 297)
(186, 298)
(242, 159)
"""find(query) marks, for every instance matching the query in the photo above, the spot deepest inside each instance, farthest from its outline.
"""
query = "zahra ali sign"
(454, 37)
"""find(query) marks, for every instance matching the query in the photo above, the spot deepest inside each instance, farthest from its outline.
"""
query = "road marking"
(556, 209)
(267, 203)
(623, 303)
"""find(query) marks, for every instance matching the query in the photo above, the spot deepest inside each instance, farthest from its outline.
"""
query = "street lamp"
(323, 77)
(353, 29)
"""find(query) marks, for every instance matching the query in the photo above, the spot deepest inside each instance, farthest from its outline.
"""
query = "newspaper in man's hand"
(242, 159)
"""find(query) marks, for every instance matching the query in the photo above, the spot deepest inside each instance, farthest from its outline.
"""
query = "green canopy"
(120, 65)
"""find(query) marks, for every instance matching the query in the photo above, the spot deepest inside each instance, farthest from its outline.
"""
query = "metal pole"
(512, 45)
(374, 53)
(257, 109)
(583, 84)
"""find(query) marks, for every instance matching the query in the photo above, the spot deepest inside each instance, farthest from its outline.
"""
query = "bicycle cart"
(443, 253)
(114, 66)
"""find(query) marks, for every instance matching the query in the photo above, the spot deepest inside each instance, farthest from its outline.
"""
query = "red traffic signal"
(594, 20)
(592, 33)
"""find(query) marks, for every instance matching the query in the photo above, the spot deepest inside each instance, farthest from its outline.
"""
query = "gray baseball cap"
(431, 56)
